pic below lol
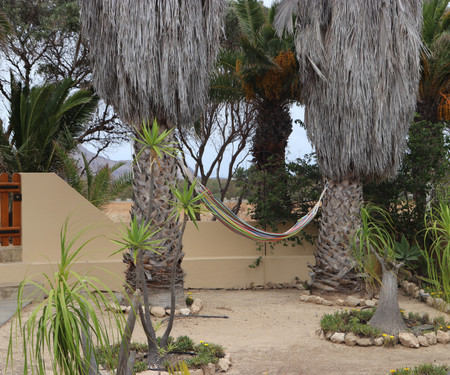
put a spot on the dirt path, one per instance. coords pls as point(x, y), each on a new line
point(273, 332)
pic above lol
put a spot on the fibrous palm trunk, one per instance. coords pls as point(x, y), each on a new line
point(334, 268)
point(274, 126)
point(157, 266)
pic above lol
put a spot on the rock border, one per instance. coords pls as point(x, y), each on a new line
point(406, 339)
point(350, 301)
point(414, 291)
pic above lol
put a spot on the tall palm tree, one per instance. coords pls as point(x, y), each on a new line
point(151, 59)
point(434, 93)
point(42, 120)
point(269, 75)
point(360, 71)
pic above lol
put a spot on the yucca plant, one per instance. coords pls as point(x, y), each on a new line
point(74, 315)
point(437, 245)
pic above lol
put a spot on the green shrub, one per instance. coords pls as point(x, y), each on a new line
point(350, 321)
point(184, 344)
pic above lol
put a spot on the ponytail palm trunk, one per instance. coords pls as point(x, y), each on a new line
point(360, 70)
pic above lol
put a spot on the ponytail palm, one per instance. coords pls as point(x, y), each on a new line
point(360, 70)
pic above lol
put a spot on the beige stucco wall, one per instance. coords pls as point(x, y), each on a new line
point(215, 257)
point(218, 258)
point(46, 203)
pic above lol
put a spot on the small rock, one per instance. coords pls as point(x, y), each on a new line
point(422, 340)
point(431, 338)
point(352, 301)
point(228, 358)
point(299, 287)
point(185, 311)
point(379, 341)
point(158, 312)
point(313, 299)
point(198, 302)
point(408, 340)
point(304, 298)
point(350, 339)
point(223, 365)
point(195, 309)
point(319, 300)
point(339, 302)
point(198, 371)
point(429, 301)
point(127, 310)
point(364, 342)
point(439, 303)
point(442, 337)
point(416, 294)
point(338, 337)
point(370, 302)
point(177, 312)
point(210, 369)
point(287, 285)
point(327, 303)
point(329, 334)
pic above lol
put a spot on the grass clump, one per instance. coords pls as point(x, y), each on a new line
point(425, 369)
point(350, 321)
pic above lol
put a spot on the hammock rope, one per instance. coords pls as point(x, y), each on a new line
point(239, 226)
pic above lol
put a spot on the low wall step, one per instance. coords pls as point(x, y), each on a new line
point(10, 254)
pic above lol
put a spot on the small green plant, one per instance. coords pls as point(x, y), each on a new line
point(425, 369)
point(184, 344)
point(406, 253)
point(389, 340)
point(189, 300)
point(437, 246)
point(350, 321)
point(73, 316)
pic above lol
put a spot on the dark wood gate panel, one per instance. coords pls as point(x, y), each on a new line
point(10, 208)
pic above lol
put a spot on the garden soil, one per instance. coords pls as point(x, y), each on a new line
point(272, 332)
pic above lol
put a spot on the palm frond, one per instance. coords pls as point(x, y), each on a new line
point(145, 64)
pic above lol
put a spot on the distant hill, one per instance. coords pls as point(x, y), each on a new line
point(101, 161)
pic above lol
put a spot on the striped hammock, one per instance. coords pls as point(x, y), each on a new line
point(239, 226)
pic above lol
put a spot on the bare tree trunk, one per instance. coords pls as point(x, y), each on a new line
point(334, 268)
point(388, 317)
point(123, 366)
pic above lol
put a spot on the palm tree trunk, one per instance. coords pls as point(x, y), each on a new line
point(157, 266)
point(334, 268)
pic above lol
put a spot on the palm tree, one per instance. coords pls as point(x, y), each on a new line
point(434, 93)
point(42, 120)
point(360, 69)
point(151, 60)
point(268, 71)
point(5, 27)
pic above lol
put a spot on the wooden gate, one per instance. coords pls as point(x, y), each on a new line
point(10, 207)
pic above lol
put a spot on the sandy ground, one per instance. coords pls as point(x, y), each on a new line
point(272, 332)
point(120, 211)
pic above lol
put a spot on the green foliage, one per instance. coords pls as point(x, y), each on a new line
point(425, 166)
point(350, 321)
point(150, 137)
point(184, 344)
point(424, 369)
point(99, 187)
point(41, 120)
point(138, 236)
point(406, 253)
point(373, 238)
point(75, 307)
point(437, 253)
point(187, 200)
